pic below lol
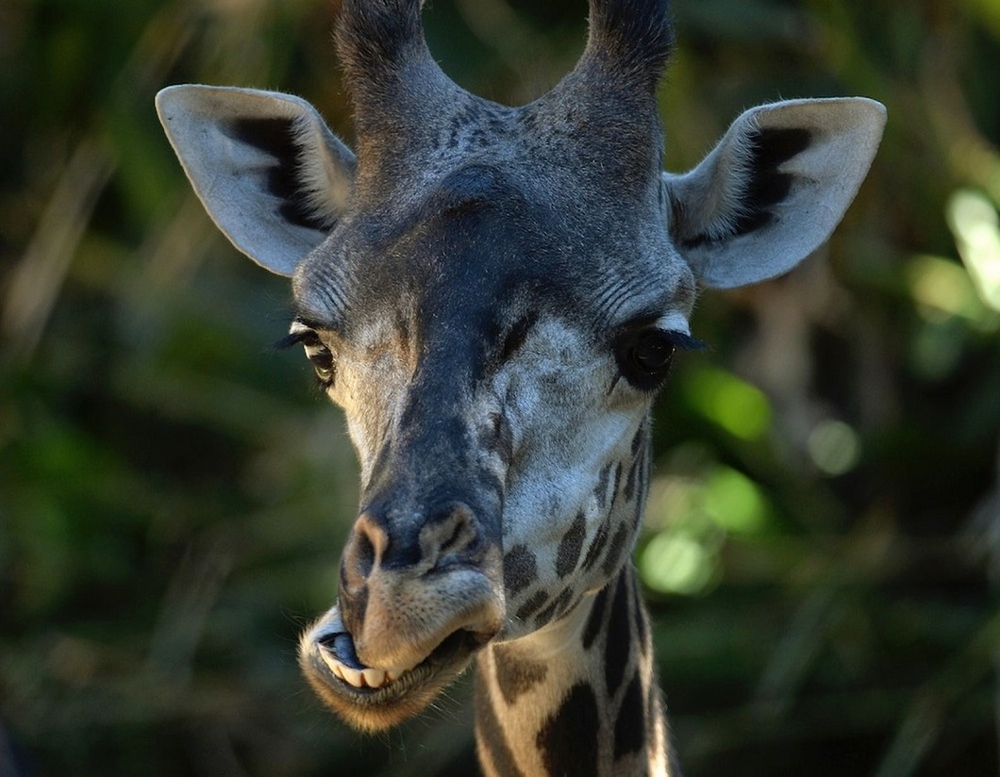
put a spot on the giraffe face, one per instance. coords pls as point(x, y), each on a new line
point(493, 294)
point(499, 416)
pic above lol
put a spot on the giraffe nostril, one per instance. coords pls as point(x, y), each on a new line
point(452, 542)
point(367, 544)
point(363, 556)
point(454, 537)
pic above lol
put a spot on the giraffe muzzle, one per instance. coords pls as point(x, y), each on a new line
point(330, 643)
point(373, 698)
point(417, 600)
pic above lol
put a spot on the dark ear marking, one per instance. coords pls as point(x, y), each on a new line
point(277, 137)
point(767, 186)
point(774, 146)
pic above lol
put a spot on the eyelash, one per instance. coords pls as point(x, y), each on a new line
point(685, 342)
point(316, 351)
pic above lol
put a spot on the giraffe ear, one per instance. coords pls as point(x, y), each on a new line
point(774, 188)
point(269, 172)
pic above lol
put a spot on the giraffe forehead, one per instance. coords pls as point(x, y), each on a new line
point(480, 237)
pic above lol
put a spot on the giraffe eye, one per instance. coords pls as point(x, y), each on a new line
point(644, 354)
point(644, 357)
point(316, 351)
point(322, 360)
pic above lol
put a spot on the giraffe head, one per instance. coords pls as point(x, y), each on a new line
point(494, 295)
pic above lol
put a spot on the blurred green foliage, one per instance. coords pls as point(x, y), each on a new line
point(823, 539)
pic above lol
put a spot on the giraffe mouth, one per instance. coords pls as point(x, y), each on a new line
point(374, 698)
point(337, 652)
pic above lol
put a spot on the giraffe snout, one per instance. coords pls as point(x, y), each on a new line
point(407, 584)
point(450, 536)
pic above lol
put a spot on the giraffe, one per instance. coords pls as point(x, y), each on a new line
point(494, 295)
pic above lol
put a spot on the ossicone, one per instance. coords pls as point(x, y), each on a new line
point(376, 37)
point(630, 39)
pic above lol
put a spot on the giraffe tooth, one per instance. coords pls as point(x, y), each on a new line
point(374, 678)
point(395, 672)
point(352, 676)
point(332, 663)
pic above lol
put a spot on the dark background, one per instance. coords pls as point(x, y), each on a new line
point(823, 535)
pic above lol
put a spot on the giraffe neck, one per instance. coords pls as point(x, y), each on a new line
point(577, 698)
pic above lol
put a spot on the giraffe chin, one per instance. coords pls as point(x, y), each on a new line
point(373, 699)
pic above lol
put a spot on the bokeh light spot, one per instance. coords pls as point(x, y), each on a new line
point(733, 404)
point(735, 502)
point(676, 563)
point(976, 226)
point(835, 447)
